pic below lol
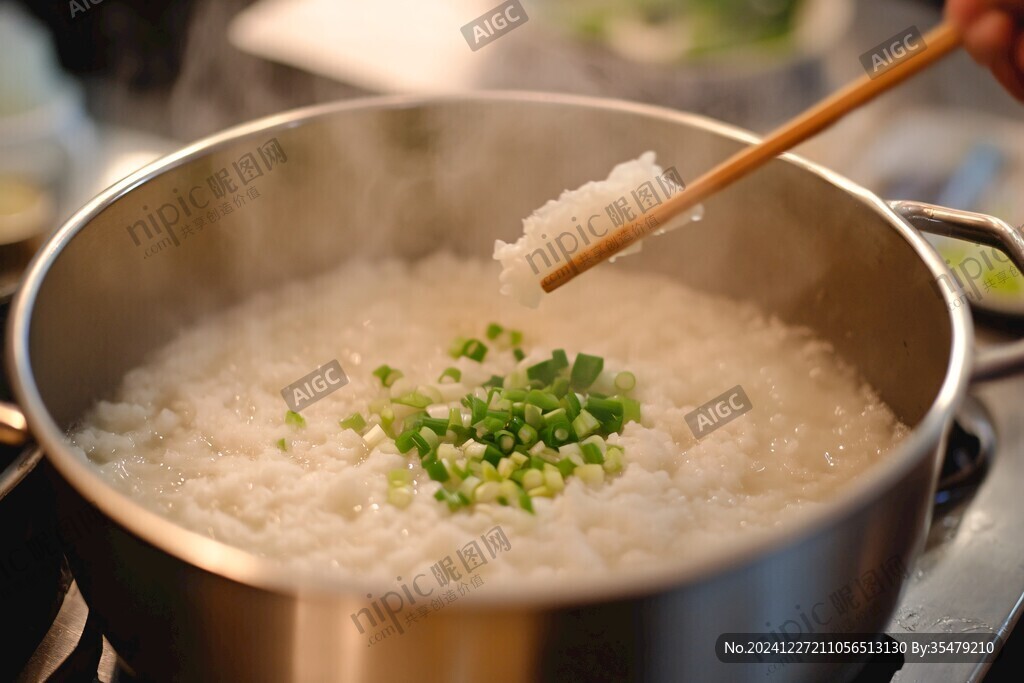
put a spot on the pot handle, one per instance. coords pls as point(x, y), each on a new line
point(14, 432)
point(997, 361)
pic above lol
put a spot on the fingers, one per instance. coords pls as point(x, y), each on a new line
point(1018, 51)
point(993, 37)
point(989, 38)
point(963, 12)
point(1010, 71)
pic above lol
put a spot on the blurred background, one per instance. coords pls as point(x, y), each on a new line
point(90, 90)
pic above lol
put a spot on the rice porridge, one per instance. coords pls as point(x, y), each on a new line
point(198, 433)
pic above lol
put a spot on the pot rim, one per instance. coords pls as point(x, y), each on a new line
point(262, 573)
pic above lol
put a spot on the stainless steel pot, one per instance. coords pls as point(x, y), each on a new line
point(361, 179)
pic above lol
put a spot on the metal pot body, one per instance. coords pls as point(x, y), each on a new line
point(202, 230)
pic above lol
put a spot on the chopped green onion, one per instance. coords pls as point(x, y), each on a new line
point(374, 437)
point(404, 442)
point(625, 381)
point(437, 425)
point(454, 499)
point(532, 479)
point(388, 375)
point(493, 395)
point(294, 419)
point(502, 409)
point(515, 423)
point(527, 435)
point(553, 478)
point(430, 392)
point(571, 403)
point(525, 502)
point(613, 460)
point(590, 474)
point(489, 425)
point(534, 416)
point(460, 434)
point(436, 470)
point(630, 409)
point(585, 424)
point(509, 490)
point(387, 418)
point(514, 394)
point(455, 350)
point(565, 466)
point(571, 449)
point(452, 373)
point(604, 409)
point(612, 425)
point(400, 496)
point(505, 468)
point(592, 454)
point(458, 471)
point(530, 429)
point(585, 370)
point(468, 487)
point(430, 437)
point(542, 399)
point(354, 421)
point(399, 477)
point(544, 372)
point(475, 449)
point(447, 451)
point(282, 444)
point(486, 492)
point(556, 417)
point(604, 384)
point(455, 419)
point(492, 455)
point(505, 440)
point(414, 420)
point(422, 445)
point(413, 399)
point(477, 407)
point(550, 455)
point(474, 349)
point(555, 436)
point(488, 472)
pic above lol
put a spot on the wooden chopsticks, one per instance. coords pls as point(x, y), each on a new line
point(939, 42)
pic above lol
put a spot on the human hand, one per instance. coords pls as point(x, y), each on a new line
point(994, 36)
